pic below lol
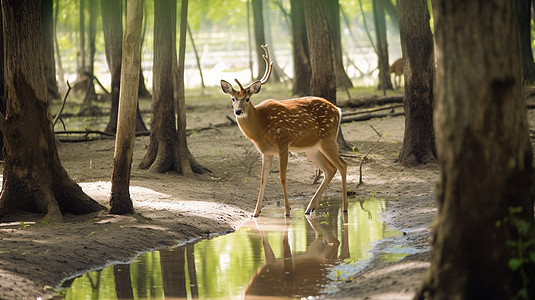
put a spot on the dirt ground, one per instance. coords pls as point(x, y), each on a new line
point(173, 209)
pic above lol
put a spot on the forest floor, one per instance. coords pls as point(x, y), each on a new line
point(171, 208)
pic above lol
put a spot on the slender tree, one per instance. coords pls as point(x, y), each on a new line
point(48, 48)
point(34, 179)
point(259, 35)
point(301, 60)
point(113, 34)
point(120, 202)
point(417, 46)
point(333, 10)
point(483, 236)
point(524, 21)
point(382, 44)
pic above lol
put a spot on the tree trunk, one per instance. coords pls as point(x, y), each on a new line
point(320, 45)
point(113, 34)
point(167, 149)
point(484, 230)
point(301, 61)
point(120, 202)
point(34, 179)
point(81, 67)
point(342, 80)
point(48, 48)
point(259, 36)
point(524, 21)
point(62, 84)
point(382, 44)
point(90, 90)
point(417, 45)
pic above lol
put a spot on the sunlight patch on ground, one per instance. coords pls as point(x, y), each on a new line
point(149, 199)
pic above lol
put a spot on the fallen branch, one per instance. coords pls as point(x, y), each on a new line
point(353, 113)
point(370, 116)
point(373, 100)
point(63, 104)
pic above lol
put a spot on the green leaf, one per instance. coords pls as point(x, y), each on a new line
point(532, 257)
point(514, 264)
point(515, 209)
point(511, 243)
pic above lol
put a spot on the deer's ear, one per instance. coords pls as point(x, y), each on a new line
point(227, 87)
point(254, 88)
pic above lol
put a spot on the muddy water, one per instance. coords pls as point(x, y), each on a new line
point(292, 257)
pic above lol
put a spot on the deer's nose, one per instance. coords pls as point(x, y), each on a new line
point(238, 112)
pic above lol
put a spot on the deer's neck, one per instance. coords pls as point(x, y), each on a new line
point(252, 125)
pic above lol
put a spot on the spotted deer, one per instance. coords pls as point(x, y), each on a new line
point(397, 69)
point(308, 124)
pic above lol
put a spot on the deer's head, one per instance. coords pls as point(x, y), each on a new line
point(241, 98)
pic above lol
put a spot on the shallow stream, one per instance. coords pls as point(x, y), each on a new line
point(295, 257)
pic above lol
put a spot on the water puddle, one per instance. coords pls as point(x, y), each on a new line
point(271, 256)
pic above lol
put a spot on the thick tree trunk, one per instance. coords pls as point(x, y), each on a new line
point(48, 48)
point(417, 45)
point(382, 44)
point(120, 202)
point(484, 231)
point(34, 179)
point(320, 45)
point(167, 150)
point(301, 60)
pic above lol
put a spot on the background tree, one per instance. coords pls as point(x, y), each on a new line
point(112, 16)
point(120, 202)
point(417, 46)
point(333, 10)
point(484, 230)
point(524, 21)
point(301, 60)
point(34, 179)
point(259, 35)
point(382, 44)
point(163, 153)
point(48, 48)
point(320, 45)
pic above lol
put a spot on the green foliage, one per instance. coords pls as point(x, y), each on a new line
point(23, 225)
point(522, 247)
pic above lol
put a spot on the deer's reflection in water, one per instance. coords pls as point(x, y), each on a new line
point(299, 274)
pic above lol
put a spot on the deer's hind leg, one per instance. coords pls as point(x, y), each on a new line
point(328, 170)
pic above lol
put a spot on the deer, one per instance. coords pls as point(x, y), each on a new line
point(397, 69)
point(309, 124)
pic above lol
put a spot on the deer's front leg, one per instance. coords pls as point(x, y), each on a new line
point(267, 161)
point(283, 165)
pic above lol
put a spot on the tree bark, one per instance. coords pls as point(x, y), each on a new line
point(48, 48)
point(168, 149)
point(120, 202)
point(34, 179)
point(301, 60)
point(417, 46)
point(320, 45)
point(484, 230)
point(382, 44)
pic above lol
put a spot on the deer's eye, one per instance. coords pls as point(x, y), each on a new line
point(246, 99)
point(233, 99)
